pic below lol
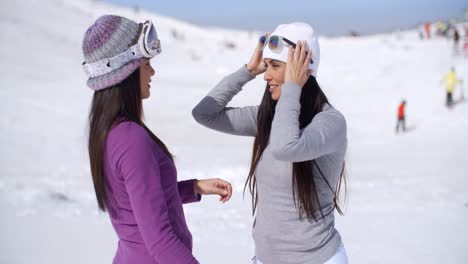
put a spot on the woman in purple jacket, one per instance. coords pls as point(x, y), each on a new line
point(133, 172)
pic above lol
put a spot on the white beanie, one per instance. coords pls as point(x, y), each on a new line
point(294, 32)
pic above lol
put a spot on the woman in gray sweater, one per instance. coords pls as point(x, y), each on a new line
point(298, 153)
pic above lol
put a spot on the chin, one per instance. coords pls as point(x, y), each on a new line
point(274, 97)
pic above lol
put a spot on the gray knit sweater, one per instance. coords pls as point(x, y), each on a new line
point(281, 237)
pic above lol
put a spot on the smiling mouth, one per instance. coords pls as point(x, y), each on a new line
point(272, 88)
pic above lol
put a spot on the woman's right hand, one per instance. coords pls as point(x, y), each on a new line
point(256, 65)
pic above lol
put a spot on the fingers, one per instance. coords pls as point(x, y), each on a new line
point(220, 190)
point(290, 55)
point(297, 68)
point(255, 65)
point(307, 60)
point(258, 53)
point(297, 50)
point(224, 190)
point(256, 56)
point(299, 54)
point(302, 52)
point(262, 68)
point(229, 189)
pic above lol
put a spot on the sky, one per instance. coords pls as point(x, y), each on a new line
point(332, 17)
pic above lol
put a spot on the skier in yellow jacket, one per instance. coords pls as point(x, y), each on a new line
point(451, 81)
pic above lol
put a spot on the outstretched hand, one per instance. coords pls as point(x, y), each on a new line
point(214, 186)
point(297, 68)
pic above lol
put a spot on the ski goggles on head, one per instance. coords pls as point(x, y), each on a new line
point(148, 46)
point(274, 42)
point(149, 43)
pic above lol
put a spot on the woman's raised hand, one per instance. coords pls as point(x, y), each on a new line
point(256, 65)
point(297, 68)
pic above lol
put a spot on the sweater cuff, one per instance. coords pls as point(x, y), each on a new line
point(290, 91)
point(187, 193)
point(243, 74)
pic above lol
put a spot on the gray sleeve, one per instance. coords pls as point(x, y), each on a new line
point(324, 135)
point(212, 112)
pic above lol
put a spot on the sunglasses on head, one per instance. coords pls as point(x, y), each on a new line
point(274, 43)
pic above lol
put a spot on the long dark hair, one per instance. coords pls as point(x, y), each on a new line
point(110, 106)
point(305, 191)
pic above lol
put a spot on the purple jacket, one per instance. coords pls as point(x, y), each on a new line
point(145, 200)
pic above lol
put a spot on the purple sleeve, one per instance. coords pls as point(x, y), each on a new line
point(186, 193)
point(141, 173)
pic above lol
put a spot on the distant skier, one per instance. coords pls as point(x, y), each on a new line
point(401, 116)
point(450, 80)
point(427, 30)
point(465, 42)
point(456, 40)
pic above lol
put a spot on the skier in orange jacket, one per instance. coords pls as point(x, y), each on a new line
point(401, 116)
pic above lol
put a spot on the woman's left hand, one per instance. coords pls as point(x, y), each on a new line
point(214, 186)
point(297, 68)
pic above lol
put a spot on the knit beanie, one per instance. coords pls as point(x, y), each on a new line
point(294, 32)
point(109, 36)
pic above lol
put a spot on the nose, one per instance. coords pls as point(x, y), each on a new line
point(152, 71)
point(267, 75)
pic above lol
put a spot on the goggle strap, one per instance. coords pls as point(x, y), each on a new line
point(294, 46)
point(108, 65)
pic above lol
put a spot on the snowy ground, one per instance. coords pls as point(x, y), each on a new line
point(408, 193)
